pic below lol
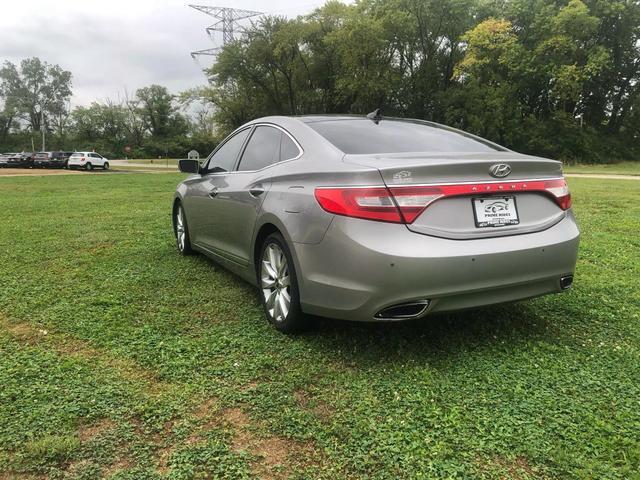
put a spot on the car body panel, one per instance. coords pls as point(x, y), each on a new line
point(365, 266)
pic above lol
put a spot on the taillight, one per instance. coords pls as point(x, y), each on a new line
point(560, 191)
point(403, 204)
point(412, 201)
point(370, 203)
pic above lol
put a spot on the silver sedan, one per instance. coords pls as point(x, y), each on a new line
point(376, 219)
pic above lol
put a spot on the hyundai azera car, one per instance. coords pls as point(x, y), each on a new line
point(375, 219)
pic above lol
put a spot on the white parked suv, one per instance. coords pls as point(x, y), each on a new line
point(88, 161)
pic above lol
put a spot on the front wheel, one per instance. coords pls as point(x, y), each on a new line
point(279, 286)
point(105, 166)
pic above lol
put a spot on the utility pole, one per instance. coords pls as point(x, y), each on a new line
point(227, 23)
point(42, 126)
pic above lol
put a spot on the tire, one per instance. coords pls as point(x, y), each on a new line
point(105, 166)
point(277, 281)
point(88, 167)
point(181, 231)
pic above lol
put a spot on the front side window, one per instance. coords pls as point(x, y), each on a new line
point(225, 157)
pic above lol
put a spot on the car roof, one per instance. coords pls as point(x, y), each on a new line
point(329, 118)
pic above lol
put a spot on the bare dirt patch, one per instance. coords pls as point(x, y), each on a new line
point(276, 455)
point(88, 432)
point(318, 408)
point(516, 469)
point(68, 346)
point(37, 172)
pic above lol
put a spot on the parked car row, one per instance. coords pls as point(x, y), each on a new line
point(71, 160)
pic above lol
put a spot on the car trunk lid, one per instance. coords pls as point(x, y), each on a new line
point(467, 200)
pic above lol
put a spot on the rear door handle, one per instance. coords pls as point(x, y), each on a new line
point(256, 191)
point(213, 192)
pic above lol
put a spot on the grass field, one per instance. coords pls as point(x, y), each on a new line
point(119, 358)
point(622, 168)
point(155, 161)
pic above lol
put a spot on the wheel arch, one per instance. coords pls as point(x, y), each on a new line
point(271, 224)
point(176, 201)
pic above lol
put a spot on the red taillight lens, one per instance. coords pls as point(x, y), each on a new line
point(560, 191)
point(370, 203)
point(404, 204)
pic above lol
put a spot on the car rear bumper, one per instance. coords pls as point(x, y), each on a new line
point(362, 267)
point(76, 164)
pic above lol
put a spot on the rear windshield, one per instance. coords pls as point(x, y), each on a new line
point(363, 136)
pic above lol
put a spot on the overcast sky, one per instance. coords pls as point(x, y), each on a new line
point(110, 45)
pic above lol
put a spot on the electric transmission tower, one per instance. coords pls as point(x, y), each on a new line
point(227, 23)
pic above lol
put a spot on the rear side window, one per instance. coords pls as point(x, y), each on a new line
point(363, 136)
point(288, 149)
point(262, 150)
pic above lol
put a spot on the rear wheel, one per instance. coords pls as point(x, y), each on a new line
point(279, 286)
point(89, 167)
point(183, 242)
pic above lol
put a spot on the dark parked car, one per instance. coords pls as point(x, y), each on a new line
point(24, 159)
point(51, 159)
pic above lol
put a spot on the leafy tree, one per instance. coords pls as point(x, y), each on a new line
point(158, 112)
point(36, 90)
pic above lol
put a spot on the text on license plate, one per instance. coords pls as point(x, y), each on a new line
point(495, 211)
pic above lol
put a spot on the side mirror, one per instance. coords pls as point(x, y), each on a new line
point(189, 166)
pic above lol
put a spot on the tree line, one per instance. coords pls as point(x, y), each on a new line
point(34, 98)
point(558, 78)
point(548, 77)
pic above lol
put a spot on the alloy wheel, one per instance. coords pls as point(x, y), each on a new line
point(275, 282)
point(181, 233)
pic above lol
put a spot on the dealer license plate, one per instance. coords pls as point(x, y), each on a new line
point(495, 211)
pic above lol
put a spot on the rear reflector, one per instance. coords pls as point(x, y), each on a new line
point(403, 204)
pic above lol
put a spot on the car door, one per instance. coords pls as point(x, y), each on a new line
point(240, 198)
point(205, 217)
point(99, 159)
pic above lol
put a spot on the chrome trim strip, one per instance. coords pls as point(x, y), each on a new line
point(409, 185)
point(244, 146)
point(425, 304)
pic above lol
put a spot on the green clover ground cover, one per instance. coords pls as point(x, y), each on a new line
point(119, 358)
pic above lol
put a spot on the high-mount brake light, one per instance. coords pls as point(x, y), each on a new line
point(403, 204)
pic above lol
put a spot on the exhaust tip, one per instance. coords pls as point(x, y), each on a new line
point(403, 311)
point(566, 282)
